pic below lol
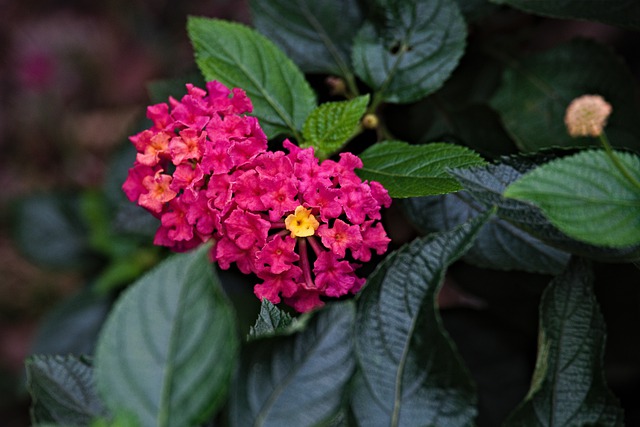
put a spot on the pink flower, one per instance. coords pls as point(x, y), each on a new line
point(335, 278)
point(283, 216)
point(340, 237)
point(278, 255)
point(187, 146)
point(246, 229)
point(158, 192)
point(154, 147)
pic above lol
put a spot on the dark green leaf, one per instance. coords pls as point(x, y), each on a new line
point(49, 230)
point(169, 347)
point(487, 184)
point(568, 386)
point(318, 35)
point(332, 124)
point(271, 321)
point(238, 56)
point(296, 380)
point(475, 10)
point(410, 371)
point(412, 51)
point(416, 170)
point(458, 112)
point(499, 245)
point(623, 13)
point(72, 327)
point(586, 197)
point(62, 390)
point(537, 90)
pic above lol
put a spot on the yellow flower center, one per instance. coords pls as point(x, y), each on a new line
point(301, 223)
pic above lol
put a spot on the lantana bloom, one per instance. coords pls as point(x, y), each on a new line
point(300, 225)
point(587, 115)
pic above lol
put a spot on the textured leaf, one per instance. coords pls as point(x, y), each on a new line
point(486, 185)
point(72, 326)
point(412, 51)
point(458, 112)
point(477, 127)
point(415, 170)
point(120, 420)
point(169, 346)
point(238, 56)
point(410, 371)
point(332, 124)
point(623, 13)
point(568, 386)
point(49, 230)
point(313, 38)
point(296, 380)
point(537, 90)
point(499, 245)
point(474, 10)
point(586, 197)
point(62, 390)
point(271, 320)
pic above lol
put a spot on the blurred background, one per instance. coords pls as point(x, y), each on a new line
point(75, 79)
point(73, 83)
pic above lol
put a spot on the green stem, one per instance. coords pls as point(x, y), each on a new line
point(352, 87)
point(616, 161)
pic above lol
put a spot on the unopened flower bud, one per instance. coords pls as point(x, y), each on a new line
point(370, 121)
point(587, 115)
point(337, 86)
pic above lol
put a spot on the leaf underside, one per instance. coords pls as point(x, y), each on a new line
point(568, 386)
point(410, 372)
point(296, 380)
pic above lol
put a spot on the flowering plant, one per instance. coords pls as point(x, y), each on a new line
point(300, 295)
point(257, 205)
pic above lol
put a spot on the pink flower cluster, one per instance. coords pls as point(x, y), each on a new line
point(203, 168)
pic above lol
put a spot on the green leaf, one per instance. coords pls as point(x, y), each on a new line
point(499, 245)
point(586, 197)
point(412, 51)
point(62, 390)
point(568, 386)
point(122, 419)
point(72, 326)
point(474, 10)
point(169, 347)
point(537, 90)
point(623, 13)
point(49, 230)
point(415, 170)
point(486, 185)
point(313, 37)
point(296, 380)
point(238, 56)
point(332, 124)
point(410, 371)
point(271, 321)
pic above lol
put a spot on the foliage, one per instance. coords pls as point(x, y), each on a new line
point(467, 135)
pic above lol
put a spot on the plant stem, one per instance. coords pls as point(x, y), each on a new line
point(616, 161)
